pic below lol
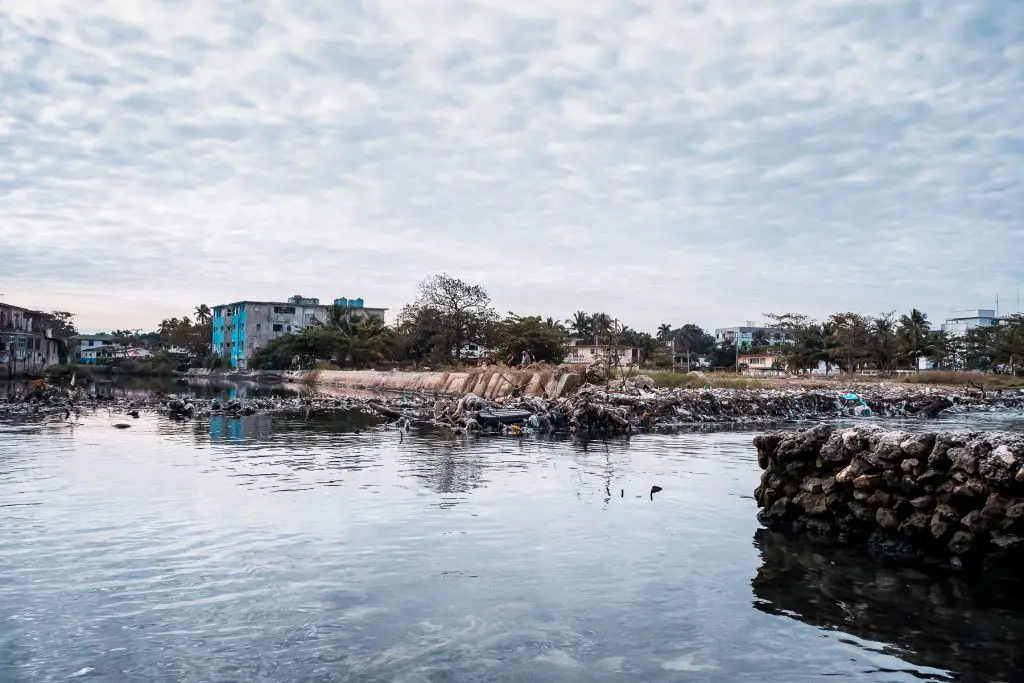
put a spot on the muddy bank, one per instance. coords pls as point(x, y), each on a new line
point(954, 498)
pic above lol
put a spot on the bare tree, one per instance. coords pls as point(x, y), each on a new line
point(462, 311)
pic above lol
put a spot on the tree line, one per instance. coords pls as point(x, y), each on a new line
point(852, 342)
point(451, 321)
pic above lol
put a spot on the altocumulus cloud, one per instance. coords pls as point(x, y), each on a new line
point(664, 161)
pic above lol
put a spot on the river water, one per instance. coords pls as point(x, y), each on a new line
point(272, 548)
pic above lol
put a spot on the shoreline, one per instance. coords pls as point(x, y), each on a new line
point(540, 400)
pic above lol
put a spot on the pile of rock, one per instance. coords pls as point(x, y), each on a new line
point(959, 497)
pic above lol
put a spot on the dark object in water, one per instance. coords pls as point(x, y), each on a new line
point(384, 410)
point(654, 489)
point(134, 413)
point(932, 409)
point(121, 425)
point(493, 417)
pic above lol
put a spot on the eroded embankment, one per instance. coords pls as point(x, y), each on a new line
point(955, 497)
point(545, 381)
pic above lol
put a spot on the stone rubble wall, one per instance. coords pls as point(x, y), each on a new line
point(956, 497)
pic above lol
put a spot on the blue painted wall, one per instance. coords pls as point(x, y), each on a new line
point(224, 317)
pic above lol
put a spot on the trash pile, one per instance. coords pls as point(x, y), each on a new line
point(41, 399)
point(634, 405)
point(599, 407)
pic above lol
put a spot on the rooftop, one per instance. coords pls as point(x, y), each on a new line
point(101, 336)
point(971, 313)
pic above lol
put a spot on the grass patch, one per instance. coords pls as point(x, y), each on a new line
point(61, 374)
point(957, 378)
point(714, 380)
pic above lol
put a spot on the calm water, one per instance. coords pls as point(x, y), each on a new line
point(273, 549)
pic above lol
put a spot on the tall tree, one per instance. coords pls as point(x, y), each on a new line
point(545, 339)
point(61, 323)
point(580, 326)
point(852, 338)
point(664, 332)
point(461, 310)
point(885, 344)
point(203, 314)
point(915, 336)
point(602, 327)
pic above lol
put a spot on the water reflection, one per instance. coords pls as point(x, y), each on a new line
point(281, 547)
point(961, 630)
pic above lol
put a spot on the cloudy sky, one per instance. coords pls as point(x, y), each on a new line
point(664, 160)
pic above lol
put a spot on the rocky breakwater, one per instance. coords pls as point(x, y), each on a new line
point(958, 498)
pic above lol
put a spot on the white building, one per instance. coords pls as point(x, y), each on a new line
point(744, 334)
point(86, 348)
point(960, 322)
point(585, 354)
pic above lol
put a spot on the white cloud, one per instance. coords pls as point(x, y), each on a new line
point(663, 161)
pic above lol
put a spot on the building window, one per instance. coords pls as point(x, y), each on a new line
point(278, 328)
point(258, 327)
point(287, 310)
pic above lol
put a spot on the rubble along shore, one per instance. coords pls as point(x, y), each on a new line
point(599, 406)
point(954, 498)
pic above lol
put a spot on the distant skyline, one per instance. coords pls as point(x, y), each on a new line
point(663, 162)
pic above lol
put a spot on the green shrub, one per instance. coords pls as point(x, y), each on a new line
point(61, 374)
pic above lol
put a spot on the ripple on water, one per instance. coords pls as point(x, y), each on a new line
point(277, 548)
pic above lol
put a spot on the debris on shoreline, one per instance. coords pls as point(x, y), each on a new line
point(635, 406)
point(608, 408)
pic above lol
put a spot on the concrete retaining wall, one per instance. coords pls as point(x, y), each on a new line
point(546, 382)
point(955, 497)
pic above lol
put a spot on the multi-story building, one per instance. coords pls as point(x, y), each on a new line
point(25, 345)
point(960, 322)
point(745, 334)
point(86, 348)
point(241, 328)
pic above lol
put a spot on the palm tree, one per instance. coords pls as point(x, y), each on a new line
point(602, 325)
point(365, 339)
point(664, 332)
point(884, 342)
point(759, 342)
point(580, 325)
point(203, 314)
point(915, 334)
